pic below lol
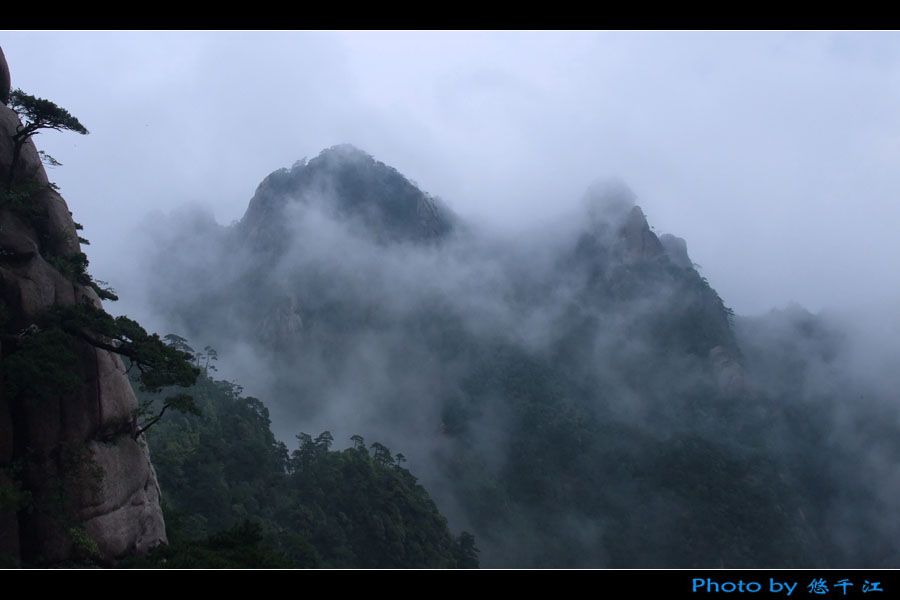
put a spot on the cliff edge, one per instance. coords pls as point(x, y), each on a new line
point(74, 482)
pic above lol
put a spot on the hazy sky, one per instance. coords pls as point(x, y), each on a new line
point(774, 154)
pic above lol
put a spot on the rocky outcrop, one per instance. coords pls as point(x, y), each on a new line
point(619, 224)
point(676, 248)
point(73, 479)
point(4, 79)
point(638, 243)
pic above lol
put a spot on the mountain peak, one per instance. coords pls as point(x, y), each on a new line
point(351, 186)
point(345, 152)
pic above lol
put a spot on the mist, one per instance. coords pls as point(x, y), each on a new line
point(542, 308)
point(448, 347)
point(770, 152)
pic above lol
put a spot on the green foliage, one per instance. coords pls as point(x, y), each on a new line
point(48, 160)
point(160, 365)
point(41, 361)
point(740, 507)
point(41, 366)
point(365, 511)
point(465, 552)
point(73, 266)
point(209, 354)
point(321, 508)
point(239, 547)
point(180, 402)
point(18, 199)
point(85, 548)
point(576, 484)
point(104, 292)
point(178, 342)
point(219, 467)
point(38, 114)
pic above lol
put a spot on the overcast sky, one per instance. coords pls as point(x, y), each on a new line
point(774, 154)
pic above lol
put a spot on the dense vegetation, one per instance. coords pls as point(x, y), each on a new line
point(692, 481)
point(234, 496)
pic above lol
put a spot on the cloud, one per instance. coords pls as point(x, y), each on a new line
point(771, 153)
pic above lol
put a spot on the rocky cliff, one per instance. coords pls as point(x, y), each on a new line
point(4, 78)
point(74, 483)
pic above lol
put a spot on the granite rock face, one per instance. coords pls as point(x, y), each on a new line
point(72, 475)
point(638, 242)
point(617, 222)
point(676, 248)
point(4, 79)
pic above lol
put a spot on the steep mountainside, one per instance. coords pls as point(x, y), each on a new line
point(73, 483)
point(354, 508)
point(576, 397)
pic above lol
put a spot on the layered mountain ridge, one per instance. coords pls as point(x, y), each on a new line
point(541, 389)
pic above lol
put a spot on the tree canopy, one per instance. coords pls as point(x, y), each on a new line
point(38, 114)
point(41, 362)
point(318, 507)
